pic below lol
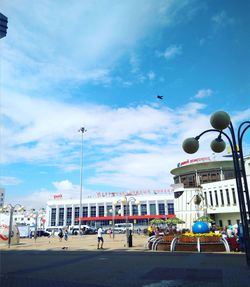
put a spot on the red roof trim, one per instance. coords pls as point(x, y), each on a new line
point(124, 217)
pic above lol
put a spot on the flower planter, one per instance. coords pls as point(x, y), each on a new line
point(209, 239)
point(187, 239)
point(168, 238)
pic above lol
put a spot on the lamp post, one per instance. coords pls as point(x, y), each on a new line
point(125, 201)
point(12, 209)
point(113, 211)
point(3, 25)
point(82, 130)
point(220, 121)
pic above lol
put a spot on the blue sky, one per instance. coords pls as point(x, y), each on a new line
point(100, 64)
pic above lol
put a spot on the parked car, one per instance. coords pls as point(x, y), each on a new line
point(40, 233)
point(52, 230)
point(85, 230)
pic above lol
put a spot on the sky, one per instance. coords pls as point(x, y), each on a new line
point(100, 65)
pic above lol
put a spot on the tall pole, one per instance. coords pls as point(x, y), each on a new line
point(10, 225)
point(127, 221)
point(82, 130)
point(113, 222)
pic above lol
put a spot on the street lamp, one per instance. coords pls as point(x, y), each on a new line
point(221, 120)
point(82, 130)
point(125, 201)
point(113, 211)
point(11, 209)
point(3, 25)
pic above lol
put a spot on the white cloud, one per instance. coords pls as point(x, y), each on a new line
point(9, 180)
point(151, 76)
point(204, 93)
point(171, 52)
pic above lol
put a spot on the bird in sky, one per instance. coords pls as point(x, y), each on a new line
point(159, 97)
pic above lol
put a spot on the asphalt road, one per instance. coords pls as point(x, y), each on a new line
point(25, 268)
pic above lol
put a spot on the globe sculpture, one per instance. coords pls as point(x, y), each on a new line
point(200, 227)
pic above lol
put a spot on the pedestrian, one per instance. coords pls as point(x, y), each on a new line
point(99, 238)
point(110, 232)
point(66, 235)
point(60, 234)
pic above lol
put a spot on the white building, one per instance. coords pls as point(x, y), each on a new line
point(2, 196)
point(215, 182)
point(99, 210)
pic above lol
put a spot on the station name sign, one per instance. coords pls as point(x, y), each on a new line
point(57, 196)
point(195, 160)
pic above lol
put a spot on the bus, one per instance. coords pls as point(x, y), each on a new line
point(121, 227)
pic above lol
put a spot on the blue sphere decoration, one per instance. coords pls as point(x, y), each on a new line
point(200, 227)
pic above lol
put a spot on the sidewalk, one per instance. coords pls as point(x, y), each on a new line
point(85, 242)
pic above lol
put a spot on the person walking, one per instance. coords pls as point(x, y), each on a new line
point(60, 234)
point(99, 238)
point(66, 234)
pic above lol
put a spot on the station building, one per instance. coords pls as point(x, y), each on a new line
point(213, 180)
point(102, 209)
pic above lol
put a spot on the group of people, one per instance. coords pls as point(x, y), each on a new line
point(63, 233)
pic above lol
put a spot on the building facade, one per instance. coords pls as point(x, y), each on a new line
point(2, 196)
point(103, 209)
point(214, 181)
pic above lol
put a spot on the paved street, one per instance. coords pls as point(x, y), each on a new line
point(34, 265)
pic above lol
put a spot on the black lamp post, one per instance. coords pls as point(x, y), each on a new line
point(3, 25)
point(221, 120)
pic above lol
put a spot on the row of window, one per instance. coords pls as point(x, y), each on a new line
point(152, 210)
point(204, 177)
point(214, 197)
point(229, 222)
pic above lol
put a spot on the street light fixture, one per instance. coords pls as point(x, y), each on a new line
point(82, 130)
point(221, 120)
point(3, 25)
point(12, 209)
point(125, 201)
point(113, 211)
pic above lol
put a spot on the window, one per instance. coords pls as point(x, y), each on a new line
point(161, 207)
point(228, 198)
point(229, 222)
point(216, 198)
point(234, 196)
point(76, 216)
point(205, 196)
point(101, 210)
point(143, 209)
point(211, 198)
point(61, 215)
point(117, 209)
point(221, 197)
point(93, 211)
point(170, 208)
point(53, 217)
point(69, 215)
point(238, 222)
point(84, 211)
point(134, 209)
point(109, 207)
point(126, 209)
point(220, 223)
point(152, 209)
